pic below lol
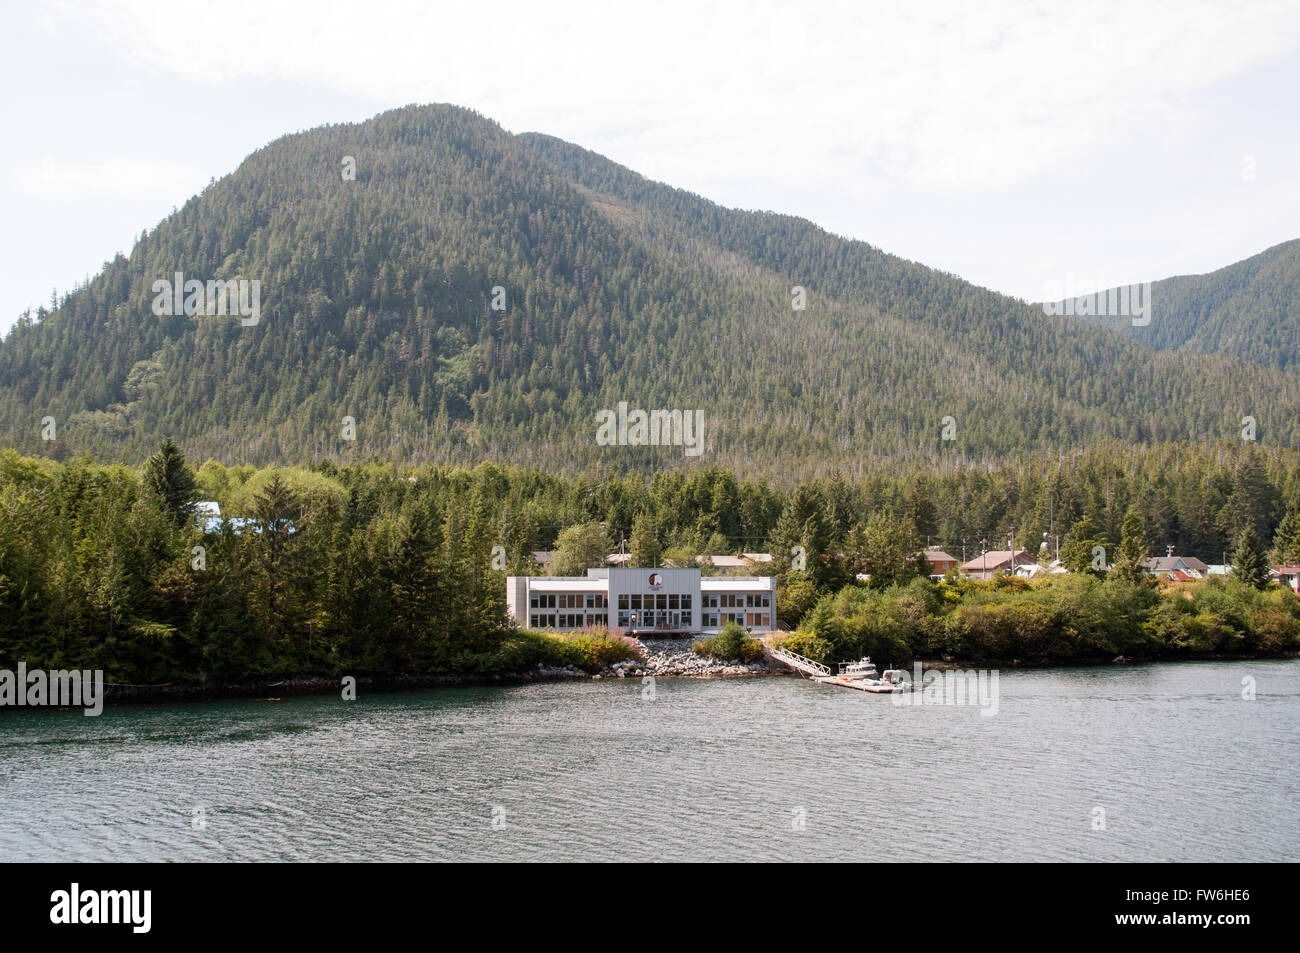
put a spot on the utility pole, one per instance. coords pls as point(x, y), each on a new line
point(1051, 522)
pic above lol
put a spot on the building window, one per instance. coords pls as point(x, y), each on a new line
point(673, 602)
point(622, 601)
point(686, 602)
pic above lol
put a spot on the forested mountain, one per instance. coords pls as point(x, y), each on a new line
point(1249, 310)
point(377, 304)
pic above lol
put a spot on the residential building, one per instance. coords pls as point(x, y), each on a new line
point(207, 515)
point(940, 562)
point(1036, 570)
point(1288, 576)
point(1187, 565)
point(997, 560)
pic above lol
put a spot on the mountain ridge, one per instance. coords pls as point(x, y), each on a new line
point(379, 300)
point(1249, 309)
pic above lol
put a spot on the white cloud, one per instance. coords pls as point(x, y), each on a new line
point(109, 177)
point(1010, 143)
point(947, 95)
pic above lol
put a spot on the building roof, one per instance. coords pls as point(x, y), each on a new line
point(1034, 570)
point(566, 584)
point(618, 559)
point(1170, 563)
point(1284, 570)
point(725, 562)
point(735, 583)
point(543, 556)
point(743, 561)
point(995, 559)
point(207, 508)
point(237, 524)
point(936, 555)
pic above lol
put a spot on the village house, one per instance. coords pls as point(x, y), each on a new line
point(997, 560)
point(1288, 576)
point(1187, 567)
point(940, 562)
point(1035, 570)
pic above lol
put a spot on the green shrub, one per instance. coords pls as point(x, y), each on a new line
point(810, 646)
point(1019, 629)
point(731, 642)
point(520, 651)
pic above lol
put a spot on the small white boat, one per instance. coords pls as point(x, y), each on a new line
point(862, 668)
point(862, 676)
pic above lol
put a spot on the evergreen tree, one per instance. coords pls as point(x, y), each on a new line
point(169, 476)
point(1249, 562)
point(647, 551)
point(1286, 541)
point(1079, 544)
point(891, 551)
point(1132, 554)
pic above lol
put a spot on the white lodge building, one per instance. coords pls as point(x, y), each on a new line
point(643, 601)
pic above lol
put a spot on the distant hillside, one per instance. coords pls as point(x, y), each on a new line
point(377, 304)
point(1250, 310)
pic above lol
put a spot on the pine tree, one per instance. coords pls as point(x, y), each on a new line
point(1286, 541)
point(1131, 556)
point(1249, 562)
point(890, 548)
point(168, 476)
point(647, 549)
point(1077, 547)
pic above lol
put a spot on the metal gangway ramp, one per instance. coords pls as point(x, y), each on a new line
point(799, 663)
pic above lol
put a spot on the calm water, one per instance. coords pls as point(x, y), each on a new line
point(764, 769)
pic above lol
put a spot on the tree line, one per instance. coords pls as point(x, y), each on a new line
point(375, 568)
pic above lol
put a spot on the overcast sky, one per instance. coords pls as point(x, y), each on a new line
point(1014, 144)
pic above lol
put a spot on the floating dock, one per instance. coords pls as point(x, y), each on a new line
point(822, 674)
point(859, 684)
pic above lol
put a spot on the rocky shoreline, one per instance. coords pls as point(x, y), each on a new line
point(674, 658)
point(661, 658)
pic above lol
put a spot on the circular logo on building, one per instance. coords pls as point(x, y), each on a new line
point(656, 580)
